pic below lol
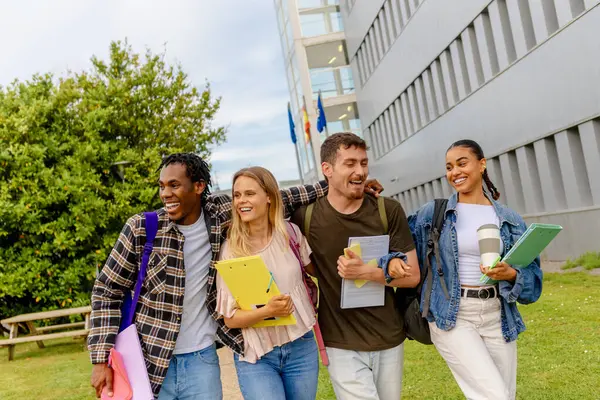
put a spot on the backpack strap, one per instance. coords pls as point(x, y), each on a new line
point(437, 223)
point(311, 290)
point(382, 213)
point(129, 303)
point(307, 217)
point(292, 234)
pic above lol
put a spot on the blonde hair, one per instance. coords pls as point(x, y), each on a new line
point(239, 233)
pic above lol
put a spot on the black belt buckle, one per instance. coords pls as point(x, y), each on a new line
point(482, 293)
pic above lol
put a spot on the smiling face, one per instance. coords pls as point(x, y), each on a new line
point(180, 195)
point(349, 172)
point(250, 200)
point(463, 170)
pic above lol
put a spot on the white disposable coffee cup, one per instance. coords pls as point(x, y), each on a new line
point(489, 239)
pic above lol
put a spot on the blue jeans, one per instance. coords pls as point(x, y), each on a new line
point(289, 372)
point(193, 376)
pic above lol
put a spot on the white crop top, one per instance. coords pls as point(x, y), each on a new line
point(469, 217)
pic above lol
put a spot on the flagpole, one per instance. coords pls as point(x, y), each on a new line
point(310, 141)
point(294, 142)
point(298, 163)
point(314, 160)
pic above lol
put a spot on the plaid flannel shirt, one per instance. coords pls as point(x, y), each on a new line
point(160, 305)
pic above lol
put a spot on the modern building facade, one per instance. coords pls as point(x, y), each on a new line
point(316, 59)
point(521, 77)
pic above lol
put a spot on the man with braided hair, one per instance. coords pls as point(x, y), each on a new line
point(175, 319)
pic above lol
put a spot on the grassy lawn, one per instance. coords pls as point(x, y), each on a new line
point(559, 355)
point(588, 261)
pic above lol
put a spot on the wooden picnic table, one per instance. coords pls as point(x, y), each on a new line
point(38, 334)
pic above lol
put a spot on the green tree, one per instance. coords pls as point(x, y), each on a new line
point(64, 189)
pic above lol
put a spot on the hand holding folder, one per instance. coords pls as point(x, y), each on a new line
point(122, 389)
point(361, 293)
point(355, 248)
point(535, 239)
point(252, 285)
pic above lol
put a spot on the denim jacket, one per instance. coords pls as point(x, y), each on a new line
point(526, 289)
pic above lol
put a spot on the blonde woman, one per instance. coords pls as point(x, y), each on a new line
point(278, 362)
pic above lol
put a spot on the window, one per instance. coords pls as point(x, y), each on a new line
point(324, 21)
point(331, 81)
point(316, 3)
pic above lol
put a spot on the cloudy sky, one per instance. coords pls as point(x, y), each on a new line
point(234, 44)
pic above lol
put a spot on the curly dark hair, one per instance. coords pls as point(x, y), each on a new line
point(196, 169)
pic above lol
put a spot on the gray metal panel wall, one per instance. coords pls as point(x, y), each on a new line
point(518, 76)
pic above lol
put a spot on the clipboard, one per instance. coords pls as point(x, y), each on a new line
point(252, 285)
point(531, 243)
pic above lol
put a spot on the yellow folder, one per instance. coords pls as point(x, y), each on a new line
point(251, 284)
point(355, 248)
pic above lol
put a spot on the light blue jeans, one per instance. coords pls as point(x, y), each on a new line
point(289, 372)
point(193, 376)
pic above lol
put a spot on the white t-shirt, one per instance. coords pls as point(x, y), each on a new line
point(198, 328)
point(469, 217)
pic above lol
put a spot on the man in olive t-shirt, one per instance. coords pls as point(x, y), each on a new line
point(364, 345)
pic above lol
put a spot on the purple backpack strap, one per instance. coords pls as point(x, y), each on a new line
point(129, 303)
point(294, 245)
point(311, 291)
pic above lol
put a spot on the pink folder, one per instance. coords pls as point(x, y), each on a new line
point(121, 389)
point(128, 345)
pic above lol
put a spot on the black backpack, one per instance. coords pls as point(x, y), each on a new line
point(408, 300)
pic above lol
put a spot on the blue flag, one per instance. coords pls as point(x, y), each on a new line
point(292, 126)
point(321, 120)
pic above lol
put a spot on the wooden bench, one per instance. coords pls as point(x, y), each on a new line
point(59, 335)
point(38, 334)
point(49, 328)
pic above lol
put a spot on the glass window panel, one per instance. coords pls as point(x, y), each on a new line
point(316, 3)
point(313, 24)
point(335, 127)
point(325, 21)
point(309, 4)
point(331, 81)
point(337, 24)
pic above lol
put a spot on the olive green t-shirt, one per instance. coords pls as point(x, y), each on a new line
point(358, 329)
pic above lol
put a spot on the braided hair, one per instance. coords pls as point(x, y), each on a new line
point(196, 169)
point(478, 151)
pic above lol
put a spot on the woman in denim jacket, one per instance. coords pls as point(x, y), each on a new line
point(475, 326)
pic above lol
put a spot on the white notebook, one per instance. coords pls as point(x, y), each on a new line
point(371, 294)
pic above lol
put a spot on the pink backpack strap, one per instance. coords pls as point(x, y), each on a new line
point(311, 291)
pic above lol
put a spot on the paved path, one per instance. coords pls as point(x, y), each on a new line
point(231, 390)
